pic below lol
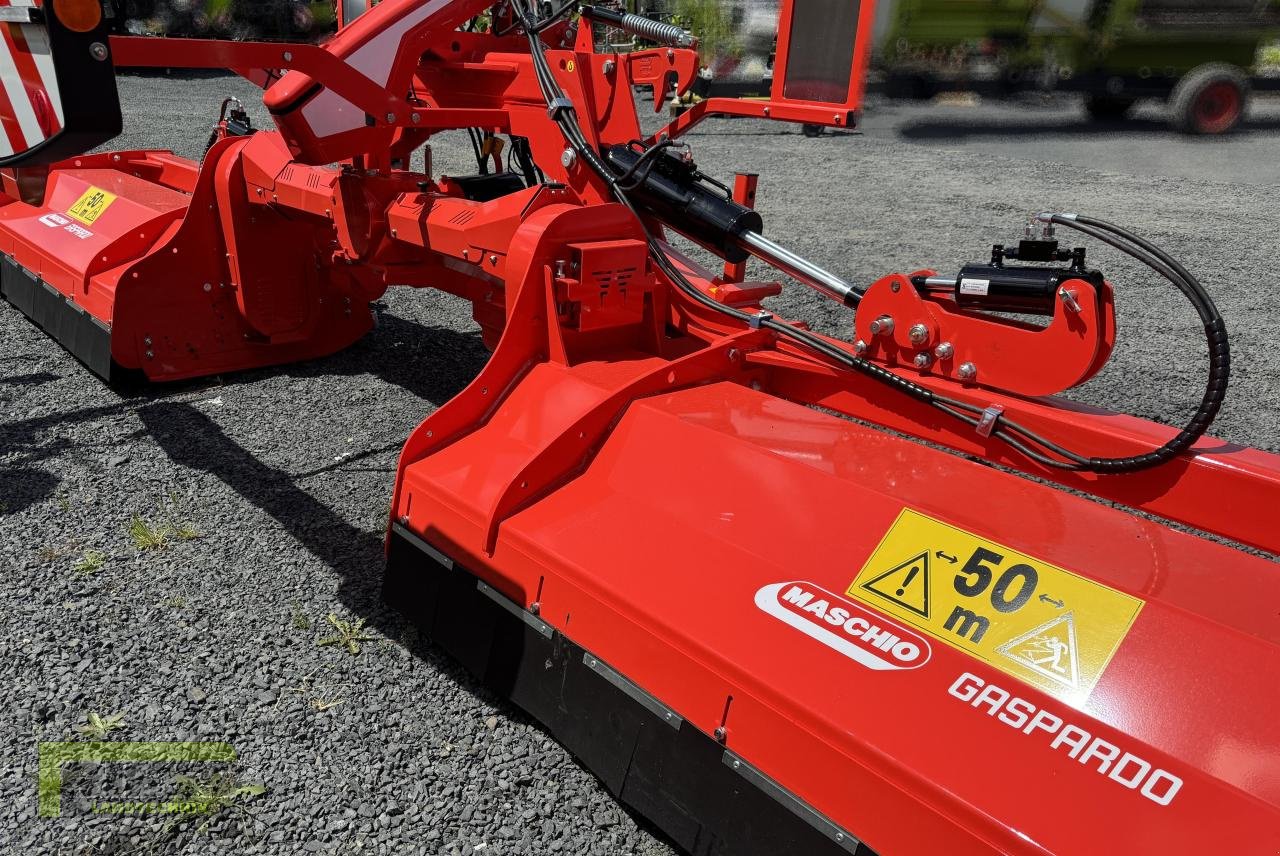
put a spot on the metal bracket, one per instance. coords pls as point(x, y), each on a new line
point(990, 418)
point(644, 699)
point(759, 318)
point(792, 803)
point(512, 607)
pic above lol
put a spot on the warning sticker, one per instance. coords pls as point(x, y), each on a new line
point(91, 205)
point(1047, 626)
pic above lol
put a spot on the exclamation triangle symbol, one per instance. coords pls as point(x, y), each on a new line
point(906, 584)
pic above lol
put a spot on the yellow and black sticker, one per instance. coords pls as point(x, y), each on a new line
point(89, 207)
point(1047, 626)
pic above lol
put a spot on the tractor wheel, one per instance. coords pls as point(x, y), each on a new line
point(1108, 108)
point(1211, 99)
point(813, 130)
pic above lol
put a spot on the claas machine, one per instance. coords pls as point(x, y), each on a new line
point(1199, 56)
point(783, 593)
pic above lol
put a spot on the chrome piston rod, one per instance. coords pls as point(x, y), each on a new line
point(801, 269)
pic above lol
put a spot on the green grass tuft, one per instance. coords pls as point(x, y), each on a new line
point(349, 635)
point(91, 562)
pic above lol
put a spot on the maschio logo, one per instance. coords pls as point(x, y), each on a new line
point(860, 635)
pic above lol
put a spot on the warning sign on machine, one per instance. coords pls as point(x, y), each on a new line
point(89, 207)
point(1047, 626)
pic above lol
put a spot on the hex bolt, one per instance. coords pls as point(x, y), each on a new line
point(967, 371)
point(610, 66)
point(944, 351)
point(734, 355)
point(493, 259)
point(882, 326)
point(923, 361)
point(151, 355)
point(288, 56)
point(860, 347)
point(720, 734)
point(391, 117)
point(208, 286)
point(99, 51)
point(568, 158)
point(147, 341)
point(535, 607)
point(404, 520)
point(919, 334)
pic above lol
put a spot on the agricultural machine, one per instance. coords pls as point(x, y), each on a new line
point(783, 593)
point(1200, 56)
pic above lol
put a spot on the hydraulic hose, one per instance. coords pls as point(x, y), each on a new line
point(1215, 334)
point(1026, 442)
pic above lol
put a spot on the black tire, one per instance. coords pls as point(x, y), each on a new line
point(1108, 108)
point(813, 130)
point(1211, 99)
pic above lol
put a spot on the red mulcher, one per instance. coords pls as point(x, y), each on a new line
point(705, 546)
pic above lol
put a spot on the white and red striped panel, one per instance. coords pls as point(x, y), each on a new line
point(30, 106)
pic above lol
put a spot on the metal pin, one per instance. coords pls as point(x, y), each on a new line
point(882, 326)
point(1069, 300)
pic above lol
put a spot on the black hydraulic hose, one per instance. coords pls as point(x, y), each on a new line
point(1215, 334)
point(1016, 436)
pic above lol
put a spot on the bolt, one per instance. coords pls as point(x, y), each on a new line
point(734, 355)
point(288, 56)
point(919, 334)
point(99, 51)
point(151, 355)
point(882, 326)
point(737, 765)
point(895, 287)
point(860, 347)
point(839, 836)
point(466, 254)
point(404, 520)
point(568, 158)
point(766, 111)
point(493, 259)
point(391, 117)
point(560, 268)
point(116, 158)
point(720, 734)
point(610, 66)
point(535, 607)
point(945, 351)
point(415, 118)
point(836, 118)
point(967, 371)
point(671, 54)
point(147, 341)
point(923, 361)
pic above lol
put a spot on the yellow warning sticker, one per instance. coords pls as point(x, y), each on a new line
point(1042, 624)
point(91, 205)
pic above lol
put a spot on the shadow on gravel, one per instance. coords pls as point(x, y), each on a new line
point(22, 488)
point(961, 129)
point(193, 440)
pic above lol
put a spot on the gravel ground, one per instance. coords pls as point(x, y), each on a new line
point(270, 490)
